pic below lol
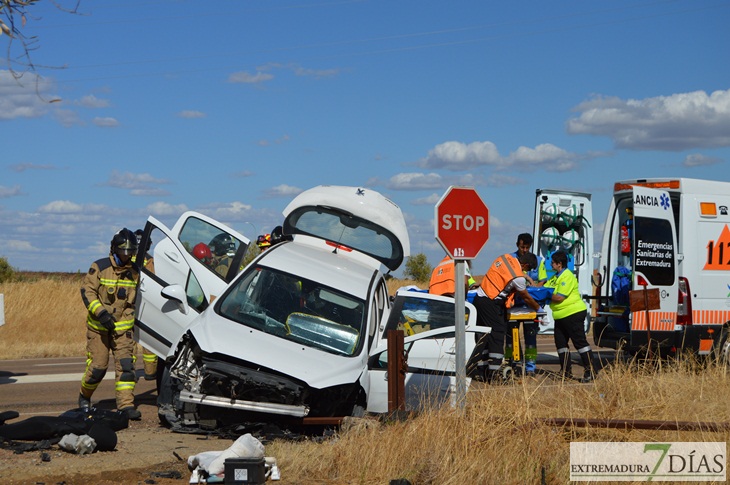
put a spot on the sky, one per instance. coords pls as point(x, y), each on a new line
point(231, 108)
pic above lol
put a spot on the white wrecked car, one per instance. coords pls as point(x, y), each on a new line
point(300, 332)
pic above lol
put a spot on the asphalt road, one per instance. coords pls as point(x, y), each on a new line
point(49, 387)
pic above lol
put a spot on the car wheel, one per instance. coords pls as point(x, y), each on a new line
point(166, 396)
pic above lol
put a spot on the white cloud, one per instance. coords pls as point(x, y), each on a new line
point(243, 174)
point(91, 101)
point(6, 192)
point(413, 181)
point(105, 122)
point(164, 209)
point(456, 156)
point(26, 97)
point(191, 114)
point(669, 123)
point(61, 207)
point(282, 191)
point(138, 184)
point(545, 156)
point(246, 78)
point(698, 160)
point(278, 141)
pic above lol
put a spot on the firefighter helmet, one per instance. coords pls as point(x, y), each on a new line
point(223, 244)
point(124, 243)
point(263, 241)
point(202, 252)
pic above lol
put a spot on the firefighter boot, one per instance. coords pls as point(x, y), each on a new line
point(132, 414)
point(84, 403)
point(587, 361)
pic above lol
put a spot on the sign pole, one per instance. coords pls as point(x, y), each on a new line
point(460, 333)
point(462, 229)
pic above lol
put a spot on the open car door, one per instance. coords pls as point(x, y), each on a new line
point(175, 286)
point(430, 345)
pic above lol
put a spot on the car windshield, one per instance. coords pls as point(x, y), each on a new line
point(296, 309)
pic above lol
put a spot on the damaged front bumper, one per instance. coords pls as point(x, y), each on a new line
point(241, 405)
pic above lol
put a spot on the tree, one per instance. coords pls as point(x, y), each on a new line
point(417, 268)
point(7, 273)
point(13, 17)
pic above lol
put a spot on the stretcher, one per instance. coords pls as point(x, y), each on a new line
point(516, 359)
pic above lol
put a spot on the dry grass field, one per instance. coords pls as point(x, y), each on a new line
point(498, 436)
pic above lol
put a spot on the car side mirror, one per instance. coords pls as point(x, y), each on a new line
point(176, 293)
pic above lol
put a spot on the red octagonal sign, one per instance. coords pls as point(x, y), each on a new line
point(462, 222)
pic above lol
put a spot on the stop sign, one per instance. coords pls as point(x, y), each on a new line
point(462, 222)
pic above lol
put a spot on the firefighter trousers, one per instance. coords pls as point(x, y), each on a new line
point(98, 347)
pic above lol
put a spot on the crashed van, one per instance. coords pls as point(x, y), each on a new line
point(299, 333)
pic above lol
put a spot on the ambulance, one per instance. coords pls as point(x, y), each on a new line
point(665, 267)
point(564, 220)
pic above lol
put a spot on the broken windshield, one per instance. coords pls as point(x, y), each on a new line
point(296, 309)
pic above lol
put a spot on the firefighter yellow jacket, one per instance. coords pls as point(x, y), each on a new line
point(112, 288)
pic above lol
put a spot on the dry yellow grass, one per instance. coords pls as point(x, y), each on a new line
point(43, 318)
point(495, 438)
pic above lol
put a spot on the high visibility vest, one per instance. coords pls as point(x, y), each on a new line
point(442, 278)
point(503, 270)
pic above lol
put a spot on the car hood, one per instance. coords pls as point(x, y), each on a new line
point(217, 335)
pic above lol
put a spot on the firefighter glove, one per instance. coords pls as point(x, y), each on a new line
point(107, 320)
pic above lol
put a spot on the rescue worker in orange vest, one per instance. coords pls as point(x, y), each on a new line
point(504, 279)
point(108, 292)
point(443, 276)
point(149, 358)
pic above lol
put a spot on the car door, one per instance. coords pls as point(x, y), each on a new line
point(175, 286)
point(428, 324)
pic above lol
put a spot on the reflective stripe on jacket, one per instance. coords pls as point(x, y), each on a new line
point(112, 288)
point(503, 270)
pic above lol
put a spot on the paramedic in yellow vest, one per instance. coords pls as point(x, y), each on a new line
point(149, 358)
point(569, 312)
point(443, 275)
point(108, 292)
point(503, 280)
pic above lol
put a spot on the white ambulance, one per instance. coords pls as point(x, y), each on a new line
point(564, 220)
point(671, 235)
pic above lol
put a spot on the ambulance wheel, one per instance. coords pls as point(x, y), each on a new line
point(723, 349)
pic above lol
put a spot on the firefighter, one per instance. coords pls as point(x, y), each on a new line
point(504, 279)
point(149, 358)
point(569, 312)
point(223, 248)
point(202, 253)
point(263, 242)
point(442, 278)
point(108, 292)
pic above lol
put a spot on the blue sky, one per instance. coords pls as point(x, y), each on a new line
point(231, 108)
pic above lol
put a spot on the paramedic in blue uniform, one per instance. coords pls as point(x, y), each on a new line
point(569, 311)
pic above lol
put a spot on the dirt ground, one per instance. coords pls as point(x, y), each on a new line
point(146, 453)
